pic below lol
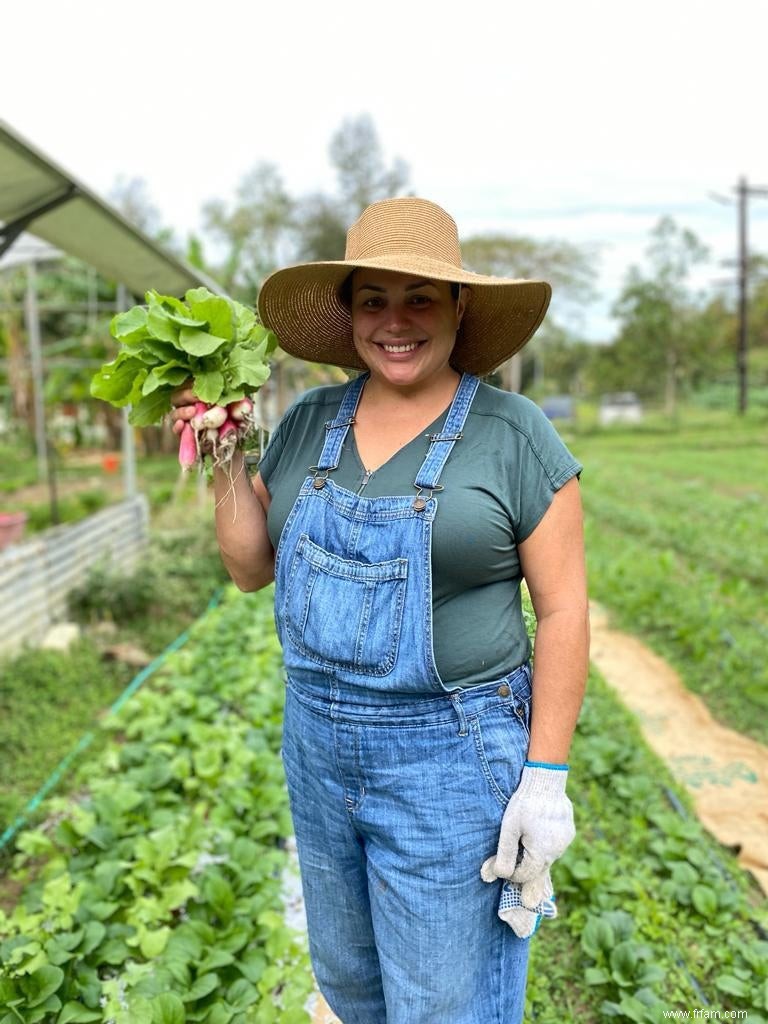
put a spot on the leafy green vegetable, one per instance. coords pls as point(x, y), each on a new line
point(216, 342)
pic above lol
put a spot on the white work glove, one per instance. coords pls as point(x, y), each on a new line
point(521, 919)
point(536, 829)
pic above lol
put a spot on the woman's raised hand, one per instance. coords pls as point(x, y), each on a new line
point(183, 402)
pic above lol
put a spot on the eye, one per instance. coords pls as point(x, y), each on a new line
point(372, 303)
point(420, 300)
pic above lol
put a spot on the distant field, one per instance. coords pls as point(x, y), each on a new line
point(678, 550)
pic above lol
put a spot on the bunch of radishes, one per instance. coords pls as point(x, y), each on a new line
point(217, 429)
point(213, 345)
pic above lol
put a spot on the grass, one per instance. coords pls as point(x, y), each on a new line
point(677, 549)
point(83, 485)
point(49, 700)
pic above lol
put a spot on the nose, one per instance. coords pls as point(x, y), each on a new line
point(397, 317)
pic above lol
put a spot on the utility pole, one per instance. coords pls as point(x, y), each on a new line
point(743, 192)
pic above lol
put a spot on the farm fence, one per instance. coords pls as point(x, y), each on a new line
point(37, 575)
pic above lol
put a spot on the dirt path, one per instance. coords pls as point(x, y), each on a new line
point(725, 773)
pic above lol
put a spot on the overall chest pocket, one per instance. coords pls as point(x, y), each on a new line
point(346, 613)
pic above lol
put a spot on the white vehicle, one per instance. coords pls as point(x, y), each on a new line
point(620, 407)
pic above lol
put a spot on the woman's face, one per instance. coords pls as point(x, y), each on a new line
point(404, 326)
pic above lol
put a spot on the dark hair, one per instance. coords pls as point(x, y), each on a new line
point(345, 290)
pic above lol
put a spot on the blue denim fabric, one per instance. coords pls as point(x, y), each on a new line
point(397, 786)
point(395, 807)
point(353, 575)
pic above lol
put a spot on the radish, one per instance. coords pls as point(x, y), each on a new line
point(214, 417)
point(240, 410)
point(187, 447)
point(235, 363)
point(213, 427)
point(200, 410)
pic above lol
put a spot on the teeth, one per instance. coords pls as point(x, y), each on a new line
point(400, 348)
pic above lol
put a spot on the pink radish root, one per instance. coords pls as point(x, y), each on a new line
point(215, 430)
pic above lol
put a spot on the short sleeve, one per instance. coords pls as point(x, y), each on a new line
point(274, 450)
point(277, 442)
point(546, 464)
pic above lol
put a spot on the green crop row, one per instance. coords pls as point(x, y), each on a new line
point(655, 915)
point(153, 896)
point(677, 549)
point(712, 630)
point(723, 532)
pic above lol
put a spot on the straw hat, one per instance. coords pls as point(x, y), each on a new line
point(302, 305)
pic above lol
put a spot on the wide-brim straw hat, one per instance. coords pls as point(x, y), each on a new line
point(303, 306)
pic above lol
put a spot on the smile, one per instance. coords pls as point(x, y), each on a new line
point(408, 347)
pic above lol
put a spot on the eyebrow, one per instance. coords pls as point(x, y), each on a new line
point(410, 288)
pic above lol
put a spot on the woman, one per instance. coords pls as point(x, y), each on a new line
point(397, 515)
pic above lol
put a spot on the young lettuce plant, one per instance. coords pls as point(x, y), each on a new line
point(213, 341)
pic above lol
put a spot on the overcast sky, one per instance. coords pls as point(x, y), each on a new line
point(583, 120)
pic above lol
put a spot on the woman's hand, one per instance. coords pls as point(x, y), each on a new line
point(185, 402)
point(536, 829)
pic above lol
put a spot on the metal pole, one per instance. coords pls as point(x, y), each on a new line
point(741, 352)
point(129, 447)
point(32, 323)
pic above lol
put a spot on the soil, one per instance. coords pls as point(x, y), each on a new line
point(725, 772)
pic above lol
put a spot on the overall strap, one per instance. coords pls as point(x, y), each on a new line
point(336, 429)
point(441, 445)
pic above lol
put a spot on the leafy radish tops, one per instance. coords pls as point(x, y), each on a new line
point(216, 342)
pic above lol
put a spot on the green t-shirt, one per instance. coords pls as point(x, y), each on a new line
point(499, 481)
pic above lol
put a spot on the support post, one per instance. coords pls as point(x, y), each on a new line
point(32, 324)
point(741, 351)
point(129, 447)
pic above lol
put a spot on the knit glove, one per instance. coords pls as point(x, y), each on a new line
point(536, 829)
point(522, 920)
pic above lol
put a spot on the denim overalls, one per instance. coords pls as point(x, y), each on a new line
point(397, 784)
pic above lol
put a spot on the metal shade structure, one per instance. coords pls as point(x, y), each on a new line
point(38, 196)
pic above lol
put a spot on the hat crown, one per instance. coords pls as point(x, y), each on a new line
point(393, 227)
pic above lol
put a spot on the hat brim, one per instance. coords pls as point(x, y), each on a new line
point(301, 304)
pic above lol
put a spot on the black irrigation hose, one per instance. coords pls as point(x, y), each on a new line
point(85, 741)
point(724, 873)
point(703, 1001)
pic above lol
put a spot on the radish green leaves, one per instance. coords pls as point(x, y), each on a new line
point(215, 341)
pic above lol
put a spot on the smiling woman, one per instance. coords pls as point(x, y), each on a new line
point(404, 328)
point(398, 515)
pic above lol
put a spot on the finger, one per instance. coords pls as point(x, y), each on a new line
point(184, 412)
point(538, 889)
point(507, 856)
point(529, 867)
point(488, 872)
point(183, 395)
point(185, 400)
point(177, 427)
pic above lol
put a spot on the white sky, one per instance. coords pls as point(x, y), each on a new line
point(581, 120)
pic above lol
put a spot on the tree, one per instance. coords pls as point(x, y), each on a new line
point(321, 230)
point(131, 198)
point(356, 154)
point(569, 269)
point(322, 220)
point(659, 313)
point(255, 231)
